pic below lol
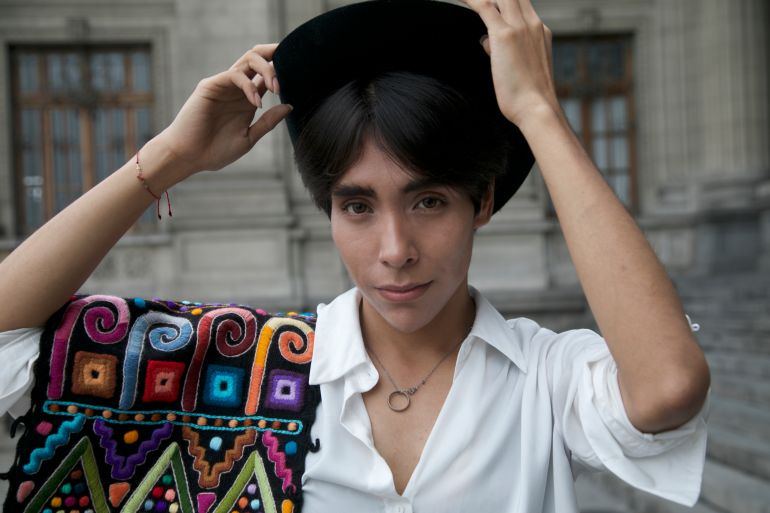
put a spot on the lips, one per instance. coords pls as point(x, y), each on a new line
point(401, 293)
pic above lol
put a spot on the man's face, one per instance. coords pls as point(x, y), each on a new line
point(405, 243)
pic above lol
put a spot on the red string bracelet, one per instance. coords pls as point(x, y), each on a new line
point(140, 177)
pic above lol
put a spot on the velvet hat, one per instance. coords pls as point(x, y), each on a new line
point(427, 37)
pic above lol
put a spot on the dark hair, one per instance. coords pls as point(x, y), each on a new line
point(424, 125)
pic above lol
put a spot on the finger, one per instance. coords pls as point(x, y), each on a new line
point(256, 60)
point(549, 48)
point(249, 88)
point(511, 11)
point(264, 68)
point(528, 12)
point(485, 44)
point(252, 64)
point(259, 81)
point(489, 14)
point(265, 50)
point(267, 122)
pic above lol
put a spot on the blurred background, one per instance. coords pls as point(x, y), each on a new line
point(670, 98)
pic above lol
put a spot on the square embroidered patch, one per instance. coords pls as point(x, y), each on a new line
point(163, 381)
point(286, 390)
point(224, 386)
point(94, 374)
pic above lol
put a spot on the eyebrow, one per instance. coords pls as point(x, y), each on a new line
point(351, 190)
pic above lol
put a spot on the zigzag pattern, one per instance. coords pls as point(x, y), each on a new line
point(124, 467)
point(208, 474)
point(62, 436)
point(278, 460)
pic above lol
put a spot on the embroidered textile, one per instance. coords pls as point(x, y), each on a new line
point(167, 407)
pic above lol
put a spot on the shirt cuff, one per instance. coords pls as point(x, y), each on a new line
point(668, 464)
point(19, 350)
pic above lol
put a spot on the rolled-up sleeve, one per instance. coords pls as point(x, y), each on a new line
point(589, 413)
point(19, 349)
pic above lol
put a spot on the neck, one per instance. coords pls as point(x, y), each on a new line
point(444, 332)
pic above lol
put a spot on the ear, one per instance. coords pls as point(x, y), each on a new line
point(485, 209)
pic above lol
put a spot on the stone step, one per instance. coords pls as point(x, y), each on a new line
point(750, 282)
point(737, 451)
point(734, 491)
point(755, 366)
point(637, 501)
point(744, 342)
point(727, 308)
point(746, 389)
point(747, 421)
point(594, 498)
point(718, 321)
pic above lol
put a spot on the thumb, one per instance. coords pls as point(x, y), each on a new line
point(485, 43)
point(267, 121)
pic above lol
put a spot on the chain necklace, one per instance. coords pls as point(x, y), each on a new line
point(403, 395)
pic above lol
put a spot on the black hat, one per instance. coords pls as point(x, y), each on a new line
point(427, 37)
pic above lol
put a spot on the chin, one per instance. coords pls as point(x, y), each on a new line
point(406, 318)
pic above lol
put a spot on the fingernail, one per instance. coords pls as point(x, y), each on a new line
point(483, 38)
point(291, 107)
point(276, 90)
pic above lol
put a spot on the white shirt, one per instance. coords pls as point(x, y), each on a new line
point(527, 409)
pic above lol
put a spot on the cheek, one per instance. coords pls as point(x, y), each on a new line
point(352, 247)
point(452, 246)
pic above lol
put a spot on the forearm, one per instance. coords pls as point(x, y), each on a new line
point(52, 264)
point(662, 372)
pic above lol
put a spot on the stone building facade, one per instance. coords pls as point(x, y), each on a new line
point(699, 112)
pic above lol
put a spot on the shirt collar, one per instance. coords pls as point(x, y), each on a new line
point(339, 346)
point(491, 327)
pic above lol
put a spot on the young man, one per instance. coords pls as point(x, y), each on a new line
point(429, 398)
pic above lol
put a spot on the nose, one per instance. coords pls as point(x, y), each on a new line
point(397, 242)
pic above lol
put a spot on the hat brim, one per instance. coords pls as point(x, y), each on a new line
point(366, 39)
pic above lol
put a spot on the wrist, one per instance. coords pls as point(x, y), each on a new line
point(539, 117)
point(161, 167)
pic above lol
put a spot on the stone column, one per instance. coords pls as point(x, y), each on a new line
point(735, 131)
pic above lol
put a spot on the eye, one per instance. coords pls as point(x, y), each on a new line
point(355, 208)
point(430, 202)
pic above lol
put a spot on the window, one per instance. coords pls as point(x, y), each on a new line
point(594, 83)
point(79, 113)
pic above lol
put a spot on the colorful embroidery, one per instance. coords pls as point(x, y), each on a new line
point(224, 386)
point(124, 467)
point(52, 442)
point(163, 381)
point(76, 477)
point(279, 461)
point(209, 474)
point(94, 374)
point(95, 321)
point(118, 492)
point(178, 418)
point(286, 390)
point(227, 329)
point(166, 333)
point(253, 484)
point(169, 407)
point(168, 473)
point(265, 340)
point(205, 501)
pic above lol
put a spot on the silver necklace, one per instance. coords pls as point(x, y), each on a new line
point(403, 395)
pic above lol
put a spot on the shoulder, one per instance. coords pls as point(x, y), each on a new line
point(539, 343)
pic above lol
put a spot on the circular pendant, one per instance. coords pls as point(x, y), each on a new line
point(398, 400)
